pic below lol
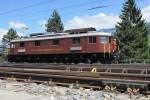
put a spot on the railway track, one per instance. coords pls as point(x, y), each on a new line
point(93, 76)
point(49, 65)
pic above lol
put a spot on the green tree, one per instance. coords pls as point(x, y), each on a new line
point(10, 35)
point(54, 24)
point(131, 32)
point(148, 27)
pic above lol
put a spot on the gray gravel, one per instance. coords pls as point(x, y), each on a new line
point(12, 90)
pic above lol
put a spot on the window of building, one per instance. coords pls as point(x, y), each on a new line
point(104, 40)
point(92, 39)
point(22, 44)
point(55, 42)
point(37, 43)
point(76, 40)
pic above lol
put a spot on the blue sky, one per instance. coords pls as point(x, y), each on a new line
point(33, 14)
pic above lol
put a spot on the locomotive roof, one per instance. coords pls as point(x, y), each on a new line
point(65, 35)
point(81, 30)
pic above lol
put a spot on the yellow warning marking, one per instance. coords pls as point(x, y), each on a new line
point(11, 78)
point(136, 90)
point(129, 90)
point(107, 88)
point(113, 88)
point(94, 70)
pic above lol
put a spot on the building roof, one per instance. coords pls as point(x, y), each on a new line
point(64, 35)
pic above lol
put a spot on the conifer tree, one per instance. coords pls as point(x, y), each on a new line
point(6, 40)
point(131, 32)
point(54, 24)
point(10, 35)
point(148, 27)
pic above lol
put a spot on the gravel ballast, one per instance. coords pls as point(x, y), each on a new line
point(12, 90)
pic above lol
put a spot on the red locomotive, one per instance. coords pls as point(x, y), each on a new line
point(84, 45)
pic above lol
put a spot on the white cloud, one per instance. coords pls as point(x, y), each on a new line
point(2, 32)
point(18, 25)
point(146, 13)
point(98, 21)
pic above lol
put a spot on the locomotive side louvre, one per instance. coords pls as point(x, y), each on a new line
point(74, 48)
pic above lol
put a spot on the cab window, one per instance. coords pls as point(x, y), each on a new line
point(12, 45)
point(76, 40)
point(37, 43)
point(22, 44)
point(92, 39)
point(104, 39)
point(56, 42)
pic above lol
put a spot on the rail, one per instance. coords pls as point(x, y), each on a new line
point(95, 74)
